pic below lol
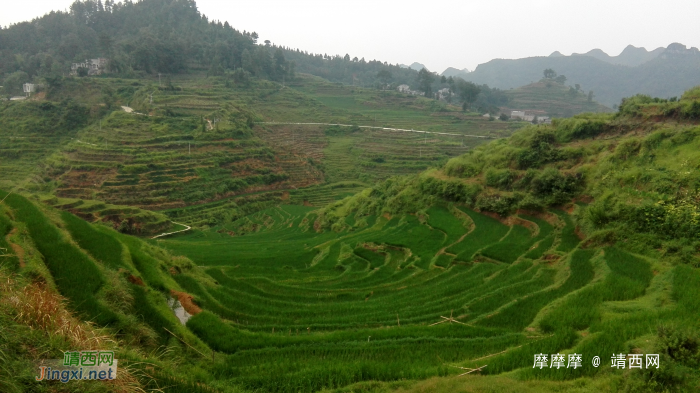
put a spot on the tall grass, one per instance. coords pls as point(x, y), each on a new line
point(75, 274)
point(568, 238)
point(7, 257)
point(522, 312)
point(102, 247)
point(148, 266)
point(487, 231)
point(150, 314)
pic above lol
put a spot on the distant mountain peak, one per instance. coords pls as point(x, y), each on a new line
point(631, 56)
point(417, 66)
point(452, 72)
point(597, 52)
point(556, 54)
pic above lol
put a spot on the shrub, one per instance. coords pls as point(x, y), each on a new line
point(500, 178)
point(540, 150)
point(556, 188)
point(498, 203)
point(571, 129)
point(76, 275)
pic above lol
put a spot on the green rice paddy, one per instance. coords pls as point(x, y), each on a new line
point(299, 310)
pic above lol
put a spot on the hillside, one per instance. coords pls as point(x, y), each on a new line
point(578, 237)
point(235, 217)
point(193, 131)
point(668, 75)
point(552, 98)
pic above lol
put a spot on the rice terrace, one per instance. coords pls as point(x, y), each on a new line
point(222, 214)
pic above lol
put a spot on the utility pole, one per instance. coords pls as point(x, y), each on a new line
point(159, 85)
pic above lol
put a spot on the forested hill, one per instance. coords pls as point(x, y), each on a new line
point(165, 36)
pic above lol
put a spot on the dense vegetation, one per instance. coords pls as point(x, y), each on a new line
point(553, 98)
point(579, 237)
point(345, 238)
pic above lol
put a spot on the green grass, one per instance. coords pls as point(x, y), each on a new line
point(553, 98)
point(102, 247)
point(8, 259)
point(75, 274)
point(488, 231)
point(521, 313)
point(569, 239)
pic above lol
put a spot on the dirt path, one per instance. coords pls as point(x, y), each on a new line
point(19, 251)
point(377, 128)
point(172, 233)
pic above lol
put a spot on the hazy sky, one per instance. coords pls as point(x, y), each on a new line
point(441, 34)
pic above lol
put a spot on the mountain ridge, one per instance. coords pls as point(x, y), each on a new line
point(670, 74)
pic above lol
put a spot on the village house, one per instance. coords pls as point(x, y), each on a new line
point(443, 94)
point(530, 116)
point(517, 115)
point(404, 89)
point(94, 66)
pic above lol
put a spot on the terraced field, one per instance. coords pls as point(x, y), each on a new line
point(194, 148)
point(159, 163)
point(301, 310)
point(553, 99)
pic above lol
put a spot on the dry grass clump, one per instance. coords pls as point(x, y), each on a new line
point(37, 306)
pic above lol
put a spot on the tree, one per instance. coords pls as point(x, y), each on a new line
point(560, 79)
point(468, 92)
point(549, 73)
point(248, 62)
point(106, 43)
point(503, 117)
point(280, 64)
point(577, 86)
point(384, 76)
point(425, 82)
point(590, 96)
point(13, 83)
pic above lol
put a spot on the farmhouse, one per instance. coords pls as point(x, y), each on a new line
point(517, 115)
point(94, 66)
point(404, 89)
point(444, 93)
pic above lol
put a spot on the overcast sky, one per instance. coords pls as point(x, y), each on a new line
point(441, 34)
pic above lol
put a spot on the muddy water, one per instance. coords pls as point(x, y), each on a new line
point(178, 310)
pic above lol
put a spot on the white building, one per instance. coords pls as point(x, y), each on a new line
point(94, 66)
point(517, 115)
point(444, 93)
point(29, 88)
point(404, 89)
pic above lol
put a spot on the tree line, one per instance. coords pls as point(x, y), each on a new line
point(172, 36)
